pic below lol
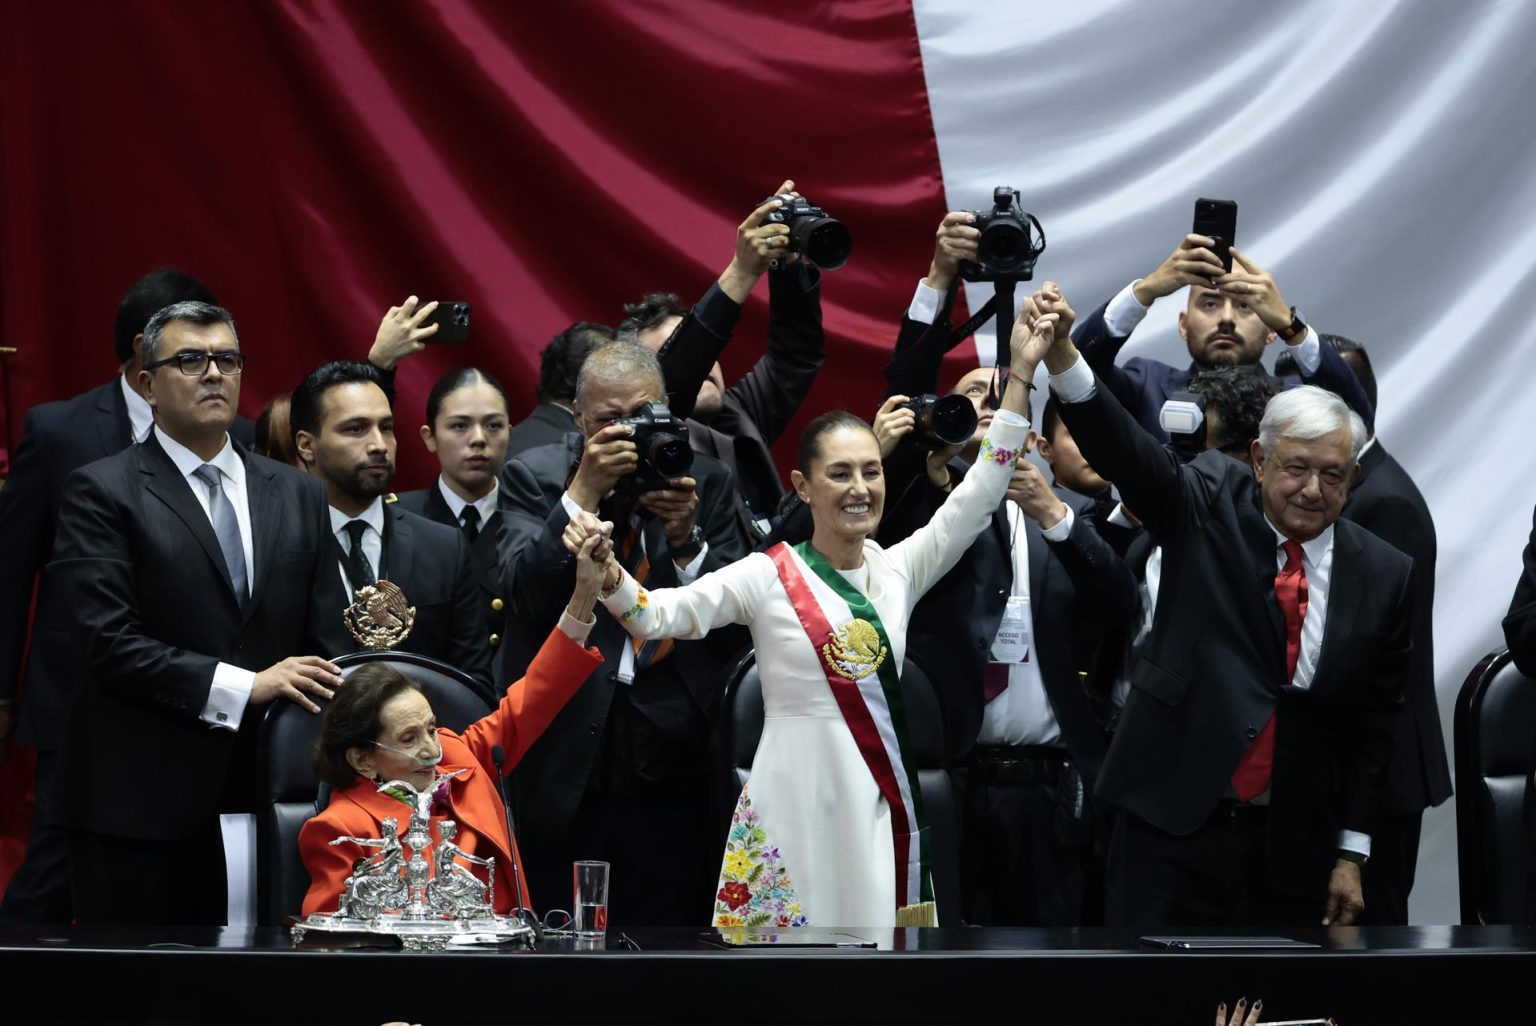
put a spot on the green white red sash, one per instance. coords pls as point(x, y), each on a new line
point(861, 669)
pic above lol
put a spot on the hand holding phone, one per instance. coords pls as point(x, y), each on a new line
point(452, 321)
point(1217, 220)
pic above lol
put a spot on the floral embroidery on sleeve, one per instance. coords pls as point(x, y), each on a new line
point(755, 888)
point(1002, 457)
point(636, 611)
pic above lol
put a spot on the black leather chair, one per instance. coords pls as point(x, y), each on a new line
point(1495, 740)
point(741, 727)
point(290, 791)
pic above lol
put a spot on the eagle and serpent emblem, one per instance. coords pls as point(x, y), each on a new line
point(854, 651)
point(379, 617)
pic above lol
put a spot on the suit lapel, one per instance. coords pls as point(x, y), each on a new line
point(165, 483)
point(266, 522)
point(436, 507)
point(1344, 595)
point(1261, 550)
point(399, 547)
point(113, 428)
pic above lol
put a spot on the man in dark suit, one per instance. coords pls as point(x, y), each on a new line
point(559, 363)
point(739, 425)
point(344, 433)
point(1230, 318)
point(1385, 501)
point(1249, 761)
point(621, 773)
point(1520, 621)
point(191, 566)
point(58, 438)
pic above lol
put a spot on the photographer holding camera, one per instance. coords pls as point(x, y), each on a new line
point(1003, 636)
point(788, 239)
point(620, 774)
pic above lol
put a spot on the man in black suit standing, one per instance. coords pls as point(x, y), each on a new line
point(559, 363)
point(1249, 760)
point(344, 433)
point(621, 773)
point(60, 437)
point(191, 565)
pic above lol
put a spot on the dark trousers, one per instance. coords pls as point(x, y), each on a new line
point(1217, 876)
point(663, 857)
point(1023, 853)
point(1387, 877)
point(39, 890)
point(124, 880)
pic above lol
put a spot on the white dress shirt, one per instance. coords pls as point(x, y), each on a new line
point(486, 504)
point(232, 685)
point(1125, 312)
point(373, 538)
point(141, 415)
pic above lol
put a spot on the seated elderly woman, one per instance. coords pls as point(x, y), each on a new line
point(381, 728)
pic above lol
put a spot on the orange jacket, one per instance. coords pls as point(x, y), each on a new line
point(530, 704)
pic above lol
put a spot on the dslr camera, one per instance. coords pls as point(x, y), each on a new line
point(824, 241)
point(941, 420)
point(1011, 241)
point(662, 441)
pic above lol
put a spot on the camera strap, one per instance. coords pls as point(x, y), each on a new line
point(1000, 306)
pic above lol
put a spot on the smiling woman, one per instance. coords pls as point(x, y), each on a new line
point(830, 829)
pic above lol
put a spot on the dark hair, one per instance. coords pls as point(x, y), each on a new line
point(453, 381)
point(274, 438)
point(304, 407)
point(1050, 419)
point(352, 720)
point(190, 310)
point(652, 309)
point(560, 361)
point(155, 291)
point(810, 439)
point(1285, 363)
point(1238, 396)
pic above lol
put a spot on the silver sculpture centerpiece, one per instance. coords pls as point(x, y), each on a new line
point(428, 898)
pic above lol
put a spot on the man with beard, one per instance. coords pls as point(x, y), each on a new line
point(1230, 318)
point(344, 433)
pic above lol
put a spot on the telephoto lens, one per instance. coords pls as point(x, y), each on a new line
point(824, 241)
point(941, 420)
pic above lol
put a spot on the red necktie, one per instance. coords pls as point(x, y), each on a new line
point(1251, 778)
point(994, 681)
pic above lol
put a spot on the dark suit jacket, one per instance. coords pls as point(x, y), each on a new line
point(755, 410)
point(58, 438)
point(154, 612)
point(1520, 622)
point(1142, 385)
point(665, 712)
point(1077, 587)
point(1385, 501)
point(430, 563)
point(548, 423)
point(484, 555)
point(1213, 671)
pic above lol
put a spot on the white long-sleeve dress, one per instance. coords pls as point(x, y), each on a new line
point(811, 841)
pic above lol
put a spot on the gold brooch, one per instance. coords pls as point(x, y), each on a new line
point(855, 651)
point(379, 617)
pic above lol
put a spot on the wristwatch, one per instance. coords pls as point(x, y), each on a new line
point(1292, 330)
point(690, 546)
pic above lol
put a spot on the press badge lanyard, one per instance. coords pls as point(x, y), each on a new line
point(1015, 633)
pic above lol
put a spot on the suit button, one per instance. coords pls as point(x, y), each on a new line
point(497, 604)
point(981, 644)
point(1253, 732)
point(593, 728)
point(495, 640)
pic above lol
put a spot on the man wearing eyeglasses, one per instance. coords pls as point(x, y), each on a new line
point(59, 438)
point(191, 565)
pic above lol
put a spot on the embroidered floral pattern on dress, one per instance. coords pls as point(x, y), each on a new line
point(997, 454)
point(755, 888)
point(636, 611)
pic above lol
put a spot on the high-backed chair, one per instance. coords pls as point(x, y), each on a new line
point(290, 790)
point(741, 727)
point(1495, 741)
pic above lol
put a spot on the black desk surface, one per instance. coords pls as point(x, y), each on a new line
point(1437, 974)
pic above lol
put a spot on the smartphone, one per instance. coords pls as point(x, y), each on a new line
point(452, 320)
point(1218, 219)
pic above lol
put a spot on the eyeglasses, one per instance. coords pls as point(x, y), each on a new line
point(194, 365)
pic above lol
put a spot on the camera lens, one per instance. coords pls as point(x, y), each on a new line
point(825, 241)
point(669, 454)
point(1004, 245)
point(952, 419)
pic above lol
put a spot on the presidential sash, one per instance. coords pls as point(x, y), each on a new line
point(860, 667)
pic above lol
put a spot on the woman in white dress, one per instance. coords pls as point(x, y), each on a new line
point(829, 829)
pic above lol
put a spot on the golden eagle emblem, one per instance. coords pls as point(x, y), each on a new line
point(855, 651)
point(379, 617)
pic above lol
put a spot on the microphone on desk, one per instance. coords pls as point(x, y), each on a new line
point(499, 757)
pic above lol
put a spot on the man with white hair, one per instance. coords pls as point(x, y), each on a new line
point(1248, 762)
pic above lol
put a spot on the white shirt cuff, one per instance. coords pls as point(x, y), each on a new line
point(1009, 417)
point(1124, 312)
point(571, 509)
point(688, 574)
point(1351, 840)
point(228, 697)
point(1063, 527)
point(1121, 517)
point(1074, 384)
point(1307, 351)
point(925, 303)
point(575, 629)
